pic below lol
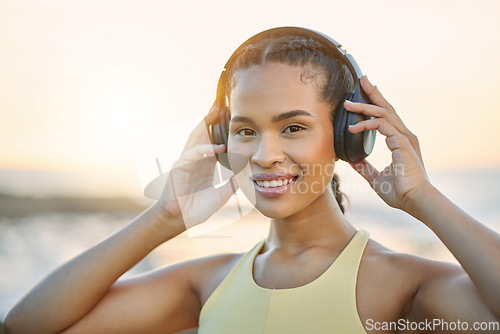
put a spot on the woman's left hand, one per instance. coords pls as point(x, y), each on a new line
point(405, 179)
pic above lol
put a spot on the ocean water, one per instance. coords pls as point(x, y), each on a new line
point(32, 243)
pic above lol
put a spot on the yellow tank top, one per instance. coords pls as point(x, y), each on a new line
point(325, 305)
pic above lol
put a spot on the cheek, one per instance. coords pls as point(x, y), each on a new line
point(244, 180)
point(327, 148)
point(238, 154)
point(317, 160)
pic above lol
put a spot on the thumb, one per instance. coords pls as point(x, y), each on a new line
point(365, 169)
point(228, 189)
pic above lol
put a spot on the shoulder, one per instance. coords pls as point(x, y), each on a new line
point(163, 300)
point(404, 264)
point(180, 288)
point(416, 288)
point(390, 281)
point(421, 269)
point(205, 274)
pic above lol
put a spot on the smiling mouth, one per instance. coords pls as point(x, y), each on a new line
point(274, 183)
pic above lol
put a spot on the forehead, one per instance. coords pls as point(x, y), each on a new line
point(272, 88)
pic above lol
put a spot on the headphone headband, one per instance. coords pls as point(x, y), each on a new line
point(325, 40)
point(348, 146)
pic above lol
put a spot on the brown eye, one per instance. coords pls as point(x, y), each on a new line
point(246, 132)
point(293, 128)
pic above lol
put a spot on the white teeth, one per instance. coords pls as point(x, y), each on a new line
point(274, 183)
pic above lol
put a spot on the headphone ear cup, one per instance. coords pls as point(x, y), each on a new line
point(352, 146)
point(219, 135)
point(358, 145)
point(339, 130)
point(354, 142)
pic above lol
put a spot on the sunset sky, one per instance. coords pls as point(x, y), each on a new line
point(84, 83)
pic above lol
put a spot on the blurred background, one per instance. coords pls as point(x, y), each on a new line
point(83, 84)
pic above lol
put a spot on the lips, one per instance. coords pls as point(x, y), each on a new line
point(273, 184)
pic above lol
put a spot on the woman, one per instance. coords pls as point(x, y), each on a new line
point(314, 273)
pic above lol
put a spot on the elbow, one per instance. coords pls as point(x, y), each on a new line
point(19, 321)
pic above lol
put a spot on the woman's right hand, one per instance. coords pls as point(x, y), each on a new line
point(189, 195)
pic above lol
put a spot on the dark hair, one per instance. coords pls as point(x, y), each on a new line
point(333, 79)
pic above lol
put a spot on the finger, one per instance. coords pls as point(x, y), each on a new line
point(228, 188)
point(220, 194)
point(380, 124)
point(378, 112)
point(365, 169)
point(200, 152)
point(370, 110)
point(394, 139)
point(200, 134)
point(188, 182)
point(212, 115)
point(207, 201)
point(375, 111)
point(374, 94)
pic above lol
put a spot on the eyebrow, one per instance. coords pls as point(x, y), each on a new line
point(275, 119)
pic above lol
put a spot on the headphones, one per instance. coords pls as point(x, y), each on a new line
point(348, 146)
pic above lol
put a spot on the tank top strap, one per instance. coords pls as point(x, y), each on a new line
point(338, 284)
point(348, 260)
point(353, 252)
point(346, 265)
point(237, 274)
point(325, 305)
point(247, 260)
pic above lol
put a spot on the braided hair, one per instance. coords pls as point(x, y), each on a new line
point(332, 78)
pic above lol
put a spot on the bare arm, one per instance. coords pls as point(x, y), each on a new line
point(404, 185)
point(448, 298)
point(475, 246)
point(82, 294)
point(71, 291)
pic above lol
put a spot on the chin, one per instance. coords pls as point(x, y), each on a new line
point(273, 214)
point(276, 209)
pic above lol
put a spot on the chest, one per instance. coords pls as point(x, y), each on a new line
point(269, 294)
point(272, 271)
point(380, 292)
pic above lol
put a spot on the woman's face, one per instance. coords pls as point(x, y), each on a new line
point(281, 129)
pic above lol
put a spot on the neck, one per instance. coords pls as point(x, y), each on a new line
point(320, 223)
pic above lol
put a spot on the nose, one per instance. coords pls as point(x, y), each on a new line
point(268, 151)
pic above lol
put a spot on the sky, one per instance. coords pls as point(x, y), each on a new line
point(85, 85)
